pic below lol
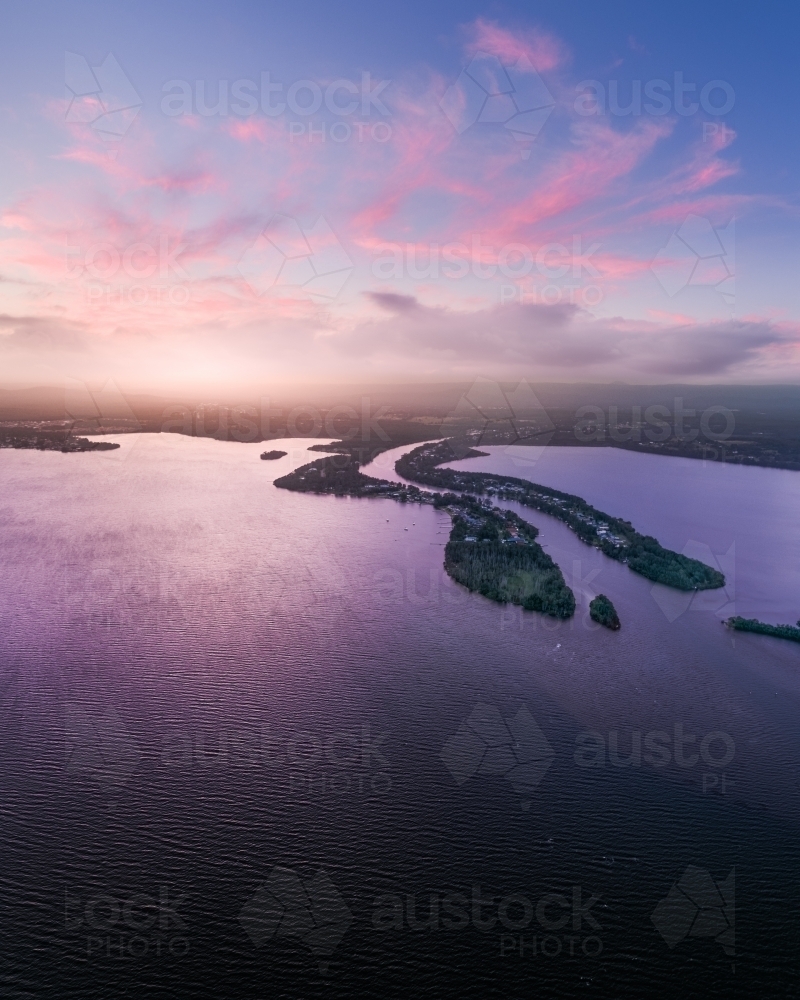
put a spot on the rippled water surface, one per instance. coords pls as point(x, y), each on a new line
point(236, 759)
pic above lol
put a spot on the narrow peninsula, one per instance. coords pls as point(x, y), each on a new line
point(740, 624)
point(49, 439)
point(494, 551)
point(614, 537)
point(491, 551)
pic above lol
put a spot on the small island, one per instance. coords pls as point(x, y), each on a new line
point(270, 456)
point(602, 611)
point(791, 632)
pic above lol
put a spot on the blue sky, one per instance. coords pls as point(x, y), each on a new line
point(656, 302)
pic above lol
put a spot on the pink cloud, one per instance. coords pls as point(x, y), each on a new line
point(544, 50)
point(249, 129)
point(600, 157)
point(212, 184)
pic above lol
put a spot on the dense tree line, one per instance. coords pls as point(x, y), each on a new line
point(511, 574)
point(602, 611)
point(754, 625)
point(50, 440)
point(341, 475)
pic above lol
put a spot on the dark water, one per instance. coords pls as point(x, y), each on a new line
point(235, 759)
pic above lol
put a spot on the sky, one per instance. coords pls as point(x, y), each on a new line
point(197, 194)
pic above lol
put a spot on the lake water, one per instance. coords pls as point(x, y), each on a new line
point(236, 758)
